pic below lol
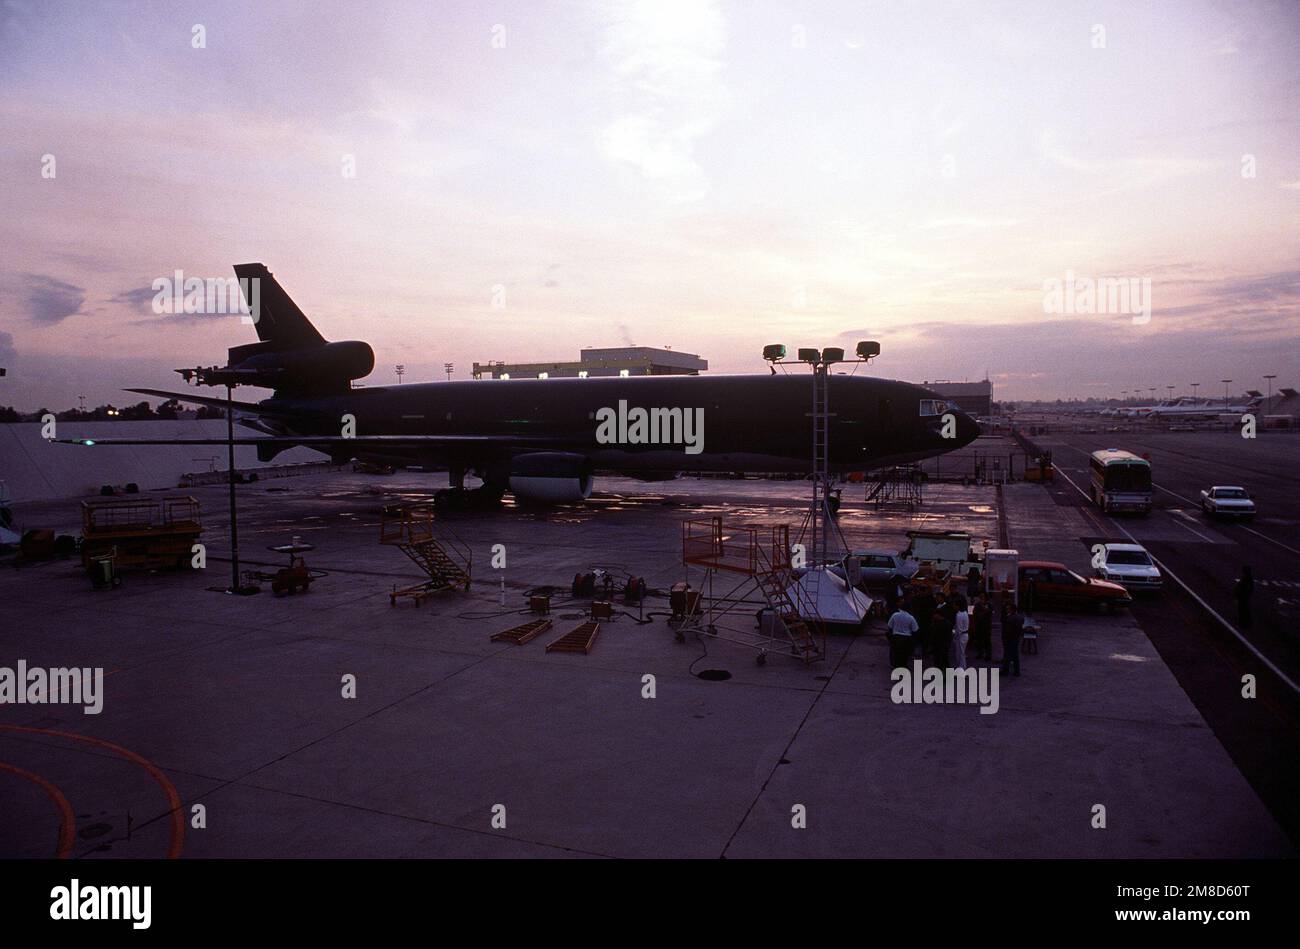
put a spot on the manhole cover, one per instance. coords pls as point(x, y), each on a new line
point(715, 675)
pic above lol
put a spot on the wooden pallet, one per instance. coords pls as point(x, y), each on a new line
point(523, 633)
point(578, 639)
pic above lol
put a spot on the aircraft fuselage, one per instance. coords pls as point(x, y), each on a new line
point(723, 423)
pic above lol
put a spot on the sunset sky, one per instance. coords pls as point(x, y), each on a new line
point(712, 177)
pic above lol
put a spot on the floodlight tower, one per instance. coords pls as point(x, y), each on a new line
point(820, 520)
point(228, 377)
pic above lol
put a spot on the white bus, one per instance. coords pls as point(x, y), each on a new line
point(1121, 481)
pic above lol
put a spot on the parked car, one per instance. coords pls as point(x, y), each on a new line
point(1130, 566)
point(881, 566)
point(1228, 500)
point(1050, 584)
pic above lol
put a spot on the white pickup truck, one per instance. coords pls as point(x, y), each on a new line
point(1228, 500)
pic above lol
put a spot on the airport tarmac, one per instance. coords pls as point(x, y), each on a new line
point(1194, 624)
point(236, 704)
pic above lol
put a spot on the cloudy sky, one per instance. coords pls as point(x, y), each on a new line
point(712, 177)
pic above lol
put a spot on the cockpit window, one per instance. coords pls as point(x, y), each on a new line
point(933, 406)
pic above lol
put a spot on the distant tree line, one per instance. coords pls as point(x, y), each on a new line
point(141, 411)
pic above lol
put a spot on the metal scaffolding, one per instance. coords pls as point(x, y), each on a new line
point(901, 484)
point(758, 560)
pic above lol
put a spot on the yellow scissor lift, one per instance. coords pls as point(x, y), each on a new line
point(140, 532)
point(760, 558)
point(445, 559)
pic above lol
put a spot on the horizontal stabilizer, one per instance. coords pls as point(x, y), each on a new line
point(252, 408)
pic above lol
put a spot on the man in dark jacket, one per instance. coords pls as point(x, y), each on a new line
point(923, 608)
point(982, 628)
point(939, 641)
point(1013, 629)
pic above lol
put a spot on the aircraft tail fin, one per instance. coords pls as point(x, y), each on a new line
point(276, 317)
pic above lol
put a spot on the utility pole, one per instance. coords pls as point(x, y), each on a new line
point(401, 371)
point(449, 368)
point(1225, 391)
point(1270, 377)
point(230, 458)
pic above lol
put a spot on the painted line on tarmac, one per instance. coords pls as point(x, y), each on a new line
point(1193, 594)
point(67, 820)
point(1187, 517)
point(1249, 530)
point(168, 789)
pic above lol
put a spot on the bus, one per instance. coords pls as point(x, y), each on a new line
point(1121, 481)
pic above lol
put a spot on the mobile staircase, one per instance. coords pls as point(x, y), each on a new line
point(444, 559)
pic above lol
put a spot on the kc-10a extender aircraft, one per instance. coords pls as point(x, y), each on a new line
point(541, 439)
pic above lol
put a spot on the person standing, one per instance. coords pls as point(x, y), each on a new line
point(1031, 596)
point(960, 633)
point(1243, 591)
point(893, 595)
point(972, 583)
point(902, 631)
point(940, 635)
point(1013, 629)
point(922, 609)
point(982, 628)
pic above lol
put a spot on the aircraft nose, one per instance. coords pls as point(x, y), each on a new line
point(967, 429)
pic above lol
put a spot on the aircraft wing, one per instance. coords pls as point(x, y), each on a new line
point(336, 441)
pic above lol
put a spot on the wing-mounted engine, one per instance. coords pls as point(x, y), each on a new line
point(550, 477)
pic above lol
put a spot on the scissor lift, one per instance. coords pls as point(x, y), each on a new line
point(140, 532)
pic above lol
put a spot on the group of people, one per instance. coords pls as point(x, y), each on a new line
point(939, 628)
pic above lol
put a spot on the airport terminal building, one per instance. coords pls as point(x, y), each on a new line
point(973, 398)
point(618, 361)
